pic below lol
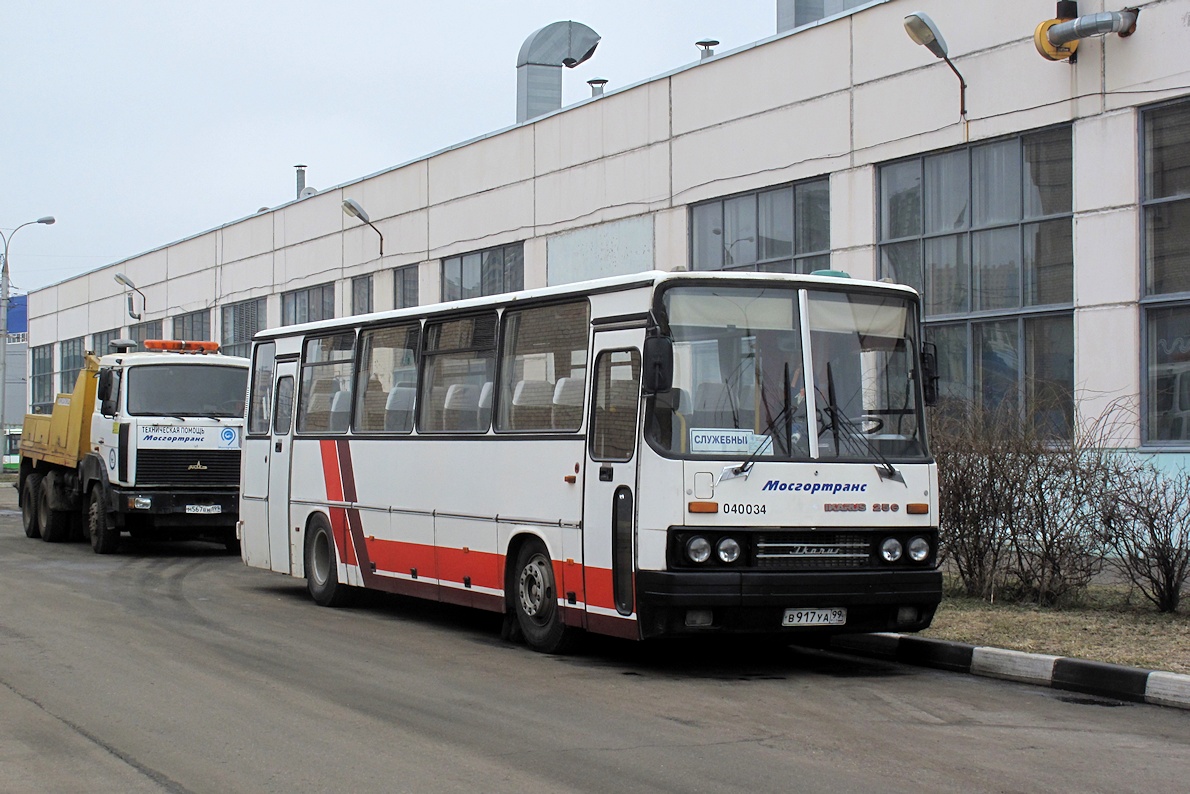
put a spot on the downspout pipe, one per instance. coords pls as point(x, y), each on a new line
point(1122, 22)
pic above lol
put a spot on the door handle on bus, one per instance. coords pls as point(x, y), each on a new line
point(605, 474)
point(277, 447)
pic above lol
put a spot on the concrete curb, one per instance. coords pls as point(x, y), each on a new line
point(1059, 672)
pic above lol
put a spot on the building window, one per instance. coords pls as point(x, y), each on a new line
point(1165, 200)
point(71, 353)
point(489, 272)
point(240, 322)
point(405, 287)
point(361, 294)
point(101, 341)
point(308, 305)
point(195, 326)
point(784, 230)
point(141, 331)
point(985, 233)
point(41, 378)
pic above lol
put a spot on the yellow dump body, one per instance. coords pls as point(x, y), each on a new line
point(63, 437)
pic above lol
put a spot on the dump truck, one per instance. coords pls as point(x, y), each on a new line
point(147, 444)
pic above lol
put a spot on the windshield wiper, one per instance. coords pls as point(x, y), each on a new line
point(840, 421)
point(731, 472)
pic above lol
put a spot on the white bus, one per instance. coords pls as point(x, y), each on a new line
point(646, 455)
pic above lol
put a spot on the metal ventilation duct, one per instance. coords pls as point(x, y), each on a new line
point(539, 65)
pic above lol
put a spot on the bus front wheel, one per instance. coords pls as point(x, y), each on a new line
point(535, 601)
point(322, 567)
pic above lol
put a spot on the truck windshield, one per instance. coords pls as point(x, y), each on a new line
point(740, 383)
point(186, 390)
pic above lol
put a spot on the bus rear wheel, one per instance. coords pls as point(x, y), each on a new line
point(322, 567)
point(535, 601)
point(54, 524)
point(30, 494)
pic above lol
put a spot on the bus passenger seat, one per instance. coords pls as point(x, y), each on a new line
point(461, 409)
point(483, 411)
point(340, 412)
point(532, 405)
point(371, 414)
point(398, 409)
point(568, 403)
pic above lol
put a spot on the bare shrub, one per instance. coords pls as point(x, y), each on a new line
point(1021, 506)
point(1147, 527)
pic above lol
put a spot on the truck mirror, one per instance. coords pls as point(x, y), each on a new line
point(107, 392)
point(657, 373)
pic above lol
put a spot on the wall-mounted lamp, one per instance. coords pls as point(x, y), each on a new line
point(352, 208)
point(923, 31)
point(1057, 39)
point(123, 280)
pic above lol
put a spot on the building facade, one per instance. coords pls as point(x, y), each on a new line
point(1044, 226)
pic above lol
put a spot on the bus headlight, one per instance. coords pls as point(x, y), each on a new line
point(729, 550)
point(919, 549)
point(890, 550)
point(698, 549)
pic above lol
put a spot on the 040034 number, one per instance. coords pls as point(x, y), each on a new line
point(744, 509)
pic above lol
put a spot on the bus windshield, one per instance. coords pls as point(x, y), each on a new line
point(753, 378)
point(184, 390)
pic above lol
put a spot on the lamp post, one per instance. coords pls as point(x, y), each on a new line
point(923, 31)
point(351, 207)
point(124, 281)
point(4, 285)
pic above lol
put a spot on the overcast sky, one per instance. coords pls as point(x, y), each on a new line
point(140, 123)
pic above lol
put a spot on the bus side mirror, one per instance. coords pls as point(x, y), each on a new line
point(929, 373)
point(658, 365)
point(107, 392)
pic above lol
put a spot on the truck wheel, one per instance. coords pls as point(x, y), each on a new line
point(322, 569)
point(535, 601)
point(105, 537)
point(30, 494)
point(54, 524)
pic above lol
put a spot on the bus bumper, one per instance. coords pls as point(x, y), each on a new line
point(670, 603)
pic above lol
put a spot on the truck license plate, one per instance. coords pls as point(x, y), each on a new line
point(834, 616)
point(204, 509)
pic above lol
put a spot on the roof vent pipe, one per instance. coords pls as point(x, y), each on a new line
point(301, 180)
point(539, 65)
point(706, 45)
point(597, 86)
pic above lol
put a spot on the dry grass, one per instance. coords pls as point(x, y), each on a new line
point(1114, 625)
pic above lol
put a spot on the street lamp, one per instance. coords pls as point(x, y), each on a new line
point(123, 280)
point(351, 207)
point(923, 31)
point(47, 220)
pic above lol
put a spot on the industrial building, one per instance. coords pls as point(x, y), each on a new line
point(1036, 193)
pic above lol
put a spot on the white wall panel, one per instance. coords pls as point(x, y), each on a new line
point(310, 263)
point(613, 124)
point(609, 188)
point(191, 256)
point(490, 218)
point(671, 239)
point(247, 238)
point(485, 165)
point(1100, 382)
point(309, 219)
point(246, 278)
point(801, 141)
point(1106, 257)
point(1106, 161)
point(793, 69)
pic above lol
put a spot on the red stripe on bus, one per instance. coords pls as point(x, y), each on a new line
point(334, 493)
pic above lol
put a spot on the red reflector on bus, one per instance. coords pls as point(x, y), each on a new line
point(917, 509)
point(703, 507)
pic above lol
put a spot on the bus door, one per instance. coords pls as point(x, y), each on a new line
point(280, 454)
point(610, 478)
